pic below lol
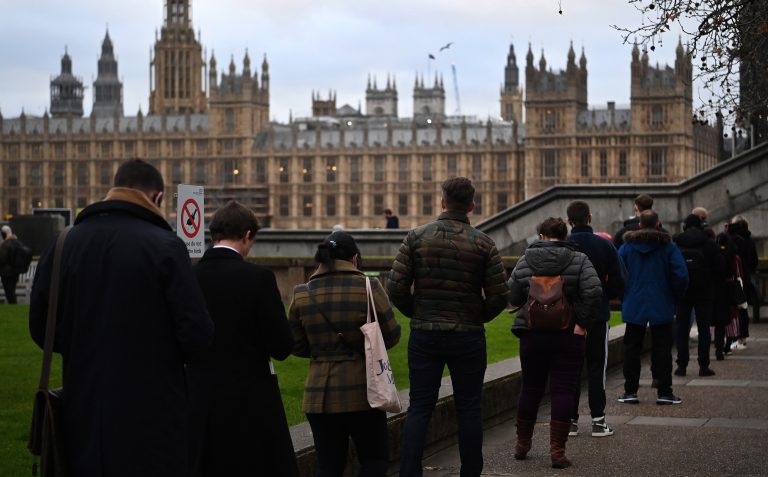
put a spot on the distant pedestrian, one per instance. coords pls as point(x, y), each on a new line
point(554, 356)
point(642, 202)
point(13, 256)
point(130, 313)
point(610, 270)
point(449, 278)
point(705, 267)
point(393, 222)
point(739, 231)
point(724, 310)
point(235, 405)
point(703, 214)
point(656, 283)
point(325, 317)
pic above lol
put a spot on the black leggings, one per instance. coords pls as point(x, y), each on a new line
point(331, 433)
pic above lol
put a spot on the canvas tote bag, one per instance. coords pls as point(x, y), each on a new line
point(382, 393)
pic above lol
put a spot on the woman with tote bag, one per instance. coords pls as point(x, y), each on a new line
point(325, 316)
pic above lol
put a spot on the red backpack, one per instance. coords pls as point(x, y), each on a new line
point(547, 307)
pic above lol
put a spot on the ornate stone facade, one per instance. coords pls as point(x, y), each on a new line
point(342, 166)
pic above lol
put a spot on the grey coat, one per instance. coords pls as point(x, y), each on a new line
point(582, 286)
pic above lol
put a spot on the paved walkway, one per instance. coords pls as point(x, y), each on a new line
point(720, 429)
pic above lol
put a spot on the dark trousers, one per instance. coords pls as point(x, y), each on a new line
point(9, 286)
point(661, 356)
point(754, 299)
point(703, 310)
point(331, 433)
point(743, 324)
point(719, 340)
point(557, 355)
point(465, 355)
point(596, 357)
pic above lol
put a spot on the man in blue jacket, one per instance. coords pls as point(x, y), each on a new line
point(611, 272)
point(656, 280)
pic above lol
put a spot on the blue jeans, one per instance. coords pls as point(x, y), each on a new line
point(428, 354)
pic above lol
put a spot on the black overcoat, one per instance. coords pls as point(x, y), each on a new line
point(237, 416)
point(129, 313)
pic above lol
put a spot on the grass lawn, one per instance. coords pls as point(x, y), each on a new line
point(20, 361)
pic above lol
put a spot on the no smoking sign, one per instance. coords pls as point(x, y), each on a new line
point(190, 218)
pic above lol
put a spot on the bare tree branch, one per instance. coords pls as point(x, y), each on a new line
point(728, 43)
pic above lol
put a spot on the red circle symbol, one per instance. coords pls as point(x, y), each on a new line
point(190, 218)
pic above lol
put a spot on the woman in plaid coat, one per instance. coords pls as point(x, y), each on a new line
point(325, 317)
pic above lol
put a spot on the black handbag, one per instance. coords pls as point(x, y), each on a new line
point(736, 295)
point(46, 440)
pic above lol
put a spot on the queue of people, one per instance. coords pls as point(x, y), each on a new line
point(168, 366)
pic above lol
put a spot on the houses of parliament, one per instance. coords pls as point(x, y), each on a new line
point(343, 165)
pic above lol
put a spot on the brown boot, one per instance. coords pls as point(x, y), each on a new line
point(524, 435)
point(558, 435)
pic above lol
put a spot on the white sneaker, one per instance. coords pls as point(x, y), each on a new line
point(600, 428)
point(736, 346)
point(574, 428)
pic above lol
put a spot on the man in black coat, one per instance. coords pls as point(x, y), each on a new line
point(237, 413)
point(706, 266)
point(643, 202)
point(610, 270)
point(129, 314)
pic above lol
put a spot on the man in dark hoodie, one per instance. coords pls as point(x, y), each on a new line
point(656, 281)
point(705, 265)
point(611, 273)
point(642, 202)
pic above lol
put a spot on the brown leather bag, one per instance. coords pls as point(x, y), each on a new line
point(547, 307)
point(46, 440)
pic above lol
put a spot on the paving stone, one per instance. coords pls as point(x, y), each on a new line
point(737, 423)
point(748, 358)
point(668, 421)
point(731, 383)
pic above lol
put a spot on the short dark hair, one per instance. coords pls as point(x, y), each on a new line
point(232, 221)
point(553, 227)
point(387, 211)
point(340, 245)
point(649, 219)
point(458, 193)
point(643, 202)
point(578, 212)
point(137, 174)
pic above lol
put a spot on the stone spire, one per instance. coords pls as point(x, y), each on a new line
point(107, 89)
point(66, 91)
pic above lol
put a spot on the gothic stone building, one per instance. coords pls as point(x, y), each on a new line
point(343, 165)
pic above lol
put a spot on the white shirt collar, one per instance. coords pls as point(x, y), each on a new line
point(226, 246)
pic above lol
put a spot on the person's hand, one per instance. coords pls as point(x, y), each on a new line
point(578, 330)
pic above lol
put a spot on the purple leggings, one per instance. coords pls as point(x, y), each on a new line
point(557, 355)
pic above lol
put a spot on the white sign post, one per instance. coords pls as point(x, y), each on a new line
point(190, 218)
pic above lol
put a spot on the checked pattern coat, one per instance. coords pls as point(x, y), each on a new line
point(336, 379)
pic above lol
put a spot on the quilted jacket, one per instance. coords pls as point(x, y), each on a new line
point(582, 286)
point(457, 276)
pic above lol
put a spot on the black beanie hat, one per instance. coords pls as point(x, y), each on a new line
point(692, 221)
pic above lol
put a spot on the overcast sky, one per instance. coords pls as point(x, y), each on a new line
point(322, 45)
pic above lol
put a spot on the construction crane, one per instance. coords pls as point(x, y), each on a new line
point(456, 90)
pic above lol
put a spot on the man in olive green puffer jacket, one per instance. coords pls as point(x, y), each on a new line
point(459, 283)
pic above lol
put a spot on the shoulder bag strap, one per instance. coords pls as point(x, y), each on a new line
point(53, 303)
point(371, 302)
point(339, 334)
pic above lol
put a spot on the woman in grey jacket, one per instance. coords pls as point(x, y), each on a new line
point(559, 354)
